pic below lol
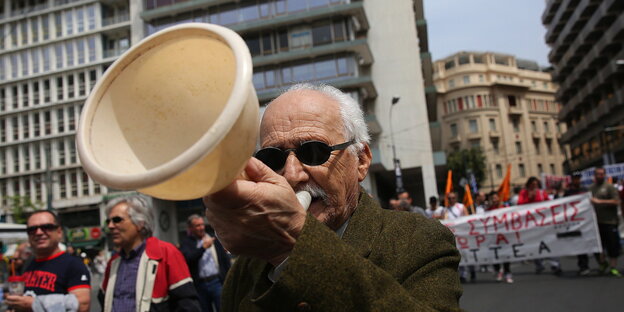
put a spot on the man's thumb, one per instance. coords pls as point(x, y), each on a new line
point(257, 171)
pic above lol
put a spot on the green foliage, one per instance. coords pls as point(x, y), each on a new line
point(464, 161)
point(21, 206)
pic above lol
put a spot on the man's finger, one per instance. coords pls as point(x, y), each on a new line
point(257, 171)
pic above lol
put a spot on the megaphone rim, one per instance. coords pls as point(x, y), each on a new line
point(205, 144)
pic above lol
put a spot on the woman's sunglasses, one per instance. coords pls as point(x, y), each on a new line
point(311, 153)
point(48, 227)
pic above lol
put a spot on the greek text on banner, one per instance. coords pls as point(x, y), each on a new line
point(560, 227)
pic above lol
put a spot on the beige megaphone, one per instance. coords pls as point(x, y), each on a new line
point(175, 117)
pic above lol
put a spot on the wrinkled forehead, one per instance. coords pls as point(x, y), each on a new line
point(304, 111)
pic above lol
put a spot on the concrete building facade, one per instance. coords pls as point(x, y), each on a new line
point(51, 54)
point(587, 53)
point(504, 106)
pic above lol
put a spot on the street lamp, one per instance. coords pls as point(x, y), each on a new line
point(395, 160)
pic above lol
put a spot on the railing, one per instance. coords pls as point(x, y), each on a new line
point(123, 17)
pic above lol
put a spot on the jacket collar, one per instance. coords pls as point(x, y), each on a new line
point(364, 226)
point(151, 249)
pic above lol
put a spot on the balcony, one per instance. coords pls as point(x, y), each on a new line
point(597, 51)
point(363, 83)
point(124, 17)
point(551, 8)
point(359, 47)
point(514, 110)
point(557, 22)
point(589, 27)
point(456, 139)
point(494, 133)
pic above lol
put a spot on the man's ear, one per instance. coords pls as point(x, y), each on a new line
point(365, 157)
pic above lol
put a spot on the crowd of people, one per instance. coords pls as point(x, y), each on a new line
point(343, 252)
point(605, 198)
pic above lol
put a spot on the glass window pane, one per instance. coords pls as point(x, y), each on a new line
point(258, 80)
point(296, 5)
point(303, 72)
point(249, 13)
point(254, 45)
point(342, 66)
point(321, 34)
point(317, 3)
point(286, 77)
point(228, 17)
point(325, 69)
point(270, 78)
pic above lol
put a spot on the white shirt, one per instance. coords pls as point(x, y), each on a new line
point(454, 211)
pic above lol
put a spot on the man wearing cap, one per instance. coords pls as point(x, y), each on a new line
point(345, 253)
point(54, 273)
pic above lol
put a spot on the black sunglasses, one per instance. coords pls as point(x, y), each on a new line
point(114, 219)
point(48, 227)
point(311, 153)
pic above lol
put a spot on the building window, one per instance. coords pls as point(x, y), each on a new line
point(85, 184)
point(466, 79)
point(549, 147)
point(536, 144)
point(321, 34)
point(521, 170)
point(454, 130)
point(495, 147)
point(451, 83)
point(62, 185)
point(60, 118)
point(552, 169)
point(499, 171)
point(518, 147)
point(47, 122)
point(512, 100)
point(492, 124)
point(61, 152)
point(26, 157)
point(533, 126)
point(481, 78)
point(71, 118)
point(475, 144)
point(540, 169)
point(73, 184)
point(59, 88)
point(449, 64)
point(546, 127)
point(472, 125)
point(516, 124)
point(25, 127)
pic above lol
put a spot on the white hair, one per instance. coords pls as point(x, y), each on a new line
point(139, 210)
point(352, 115)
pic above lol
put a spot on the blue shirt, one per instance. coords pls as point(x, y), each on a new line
point(207, 264)
point(124, 298)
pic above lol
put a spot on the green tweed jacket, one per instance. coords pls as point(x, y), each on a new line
point(386, 261)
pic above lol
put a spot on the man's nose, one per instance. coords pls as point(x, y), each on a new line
point(294, 171)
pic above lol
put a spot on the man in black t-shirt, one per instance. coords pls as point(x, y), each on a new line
point(53, 271)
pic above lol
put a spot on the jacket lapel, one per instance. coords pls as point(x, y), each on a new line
point(364, 226)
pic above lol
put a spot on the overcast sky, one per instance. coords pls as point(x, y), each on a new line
point(508, 26)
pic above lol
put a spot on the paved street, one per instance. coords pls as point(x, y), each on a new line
point(545, 292)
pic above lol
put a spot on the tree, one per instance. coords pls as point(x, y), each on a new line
point(463, 162)
point(22, 206)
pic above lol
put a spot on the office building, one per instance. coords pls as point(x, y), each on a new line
point(587, 53)
point(504, 106)
point(51, 54)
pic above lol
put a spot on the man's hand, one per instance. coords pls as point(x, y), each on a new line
point(20, 303)
point(260, 218)
point(595, 200)
point(207, 241)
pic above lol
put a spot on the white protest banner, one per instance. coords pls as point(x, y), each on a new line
point(560, 227)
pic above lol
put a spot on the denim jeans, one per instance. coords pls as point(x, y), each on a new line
point(209, 294)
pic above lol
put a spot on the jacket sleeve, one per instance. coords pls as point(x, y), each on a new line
point(182, 294)
point(191, 253)
point(417, 273)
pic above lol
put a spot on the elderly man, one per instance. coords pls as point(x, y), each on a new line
point(147, 274)
point(54, 273)
point(346, 253)
point(207, 261)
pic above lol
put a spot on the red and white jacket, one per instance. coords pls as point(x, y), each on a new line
point(163, 280)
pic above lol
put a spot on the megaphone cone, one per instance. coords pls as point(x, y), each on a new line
point(175, 117)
